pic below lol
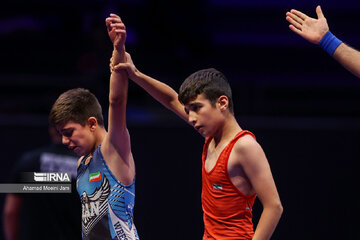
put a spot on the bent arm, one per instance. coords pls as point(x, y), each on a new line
point(257, 169)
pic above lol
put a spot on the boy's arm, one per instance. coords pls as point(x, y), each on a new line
point(256, 167)
point(349, 58)
point(116, 144)
point(317, 31)
point(11, 217)
point(162, 92)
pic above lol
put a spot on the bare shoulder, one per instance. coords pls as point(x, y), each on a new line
point(246, 143)
point(248, 149)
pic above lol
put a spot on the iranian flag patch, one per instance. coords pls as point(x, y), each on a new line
point(93, 177)
point(217, 187)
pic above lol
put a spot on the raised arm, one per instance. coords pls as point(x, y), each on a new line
point(116, 144)
point(162, 92)
point(317, 31)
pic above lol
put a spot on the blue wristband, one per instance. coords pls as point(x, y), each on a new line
point(329, 43)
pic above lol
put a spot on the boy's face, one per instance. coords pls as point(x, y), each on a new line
point(203, 116)
point(77, 137)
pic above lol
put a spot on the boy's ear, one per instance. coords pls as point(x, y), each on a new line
point(223, 103)
point(92, 123)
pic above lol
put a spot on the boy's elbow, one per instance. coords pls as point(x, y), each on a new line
point(279, 208)
point(276, 208)
point(115, 100)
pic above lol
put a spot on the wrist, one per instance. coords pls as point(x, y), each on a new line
point(118, 55)
point(119, 50)
point(329, 43)
point(137, 75)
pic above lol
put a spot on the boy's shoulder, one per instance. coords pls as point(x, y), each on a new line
point(245, 142)
point(246, 148)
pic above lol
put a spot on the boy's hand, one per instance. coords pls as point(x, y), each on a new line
point(311, 29)
point(117, 31)
point(128, 66)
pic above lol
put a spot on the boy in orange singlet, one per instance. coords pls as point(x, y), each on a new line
point(235, 169)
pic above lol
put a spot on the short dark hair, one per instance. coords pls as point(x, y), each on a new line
point(76, 105)
point(211, 82)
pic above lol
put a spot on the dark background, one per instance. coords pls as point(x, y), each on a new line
point(302, 105)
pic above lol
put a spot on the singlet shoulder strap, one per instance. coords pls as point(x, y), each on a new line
point(243, 133)
point(205, 148)
point(231, 144)
point(80, 160)
point(84, 159)
point(81, 163)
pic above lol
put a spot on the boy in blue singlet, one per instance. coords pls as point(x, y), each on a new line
point(106, 169)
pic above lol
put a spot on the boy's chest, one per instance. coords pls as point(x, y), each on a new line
point(210, 162)
point(227, 166)
point(216, 157)
point(220, 160)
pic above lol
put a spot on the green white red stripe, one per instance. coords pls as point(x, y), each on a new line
point(93, 177)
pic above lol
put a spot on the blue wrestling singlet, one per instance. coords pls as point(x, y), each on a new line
point(107, 205)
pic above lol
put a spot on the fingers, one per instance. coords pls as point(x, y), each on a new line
point(120, 67)
point(114, 21)
point(120, 31)
point(319, 12)
point(294, 29)
point(295, 21)
point(117, 25)
point(108, 22)
point(298, 14)
point(114, 15)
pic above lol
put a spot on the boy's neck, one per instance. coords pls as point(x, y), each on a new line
point(100, 135)
point(227, 131)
